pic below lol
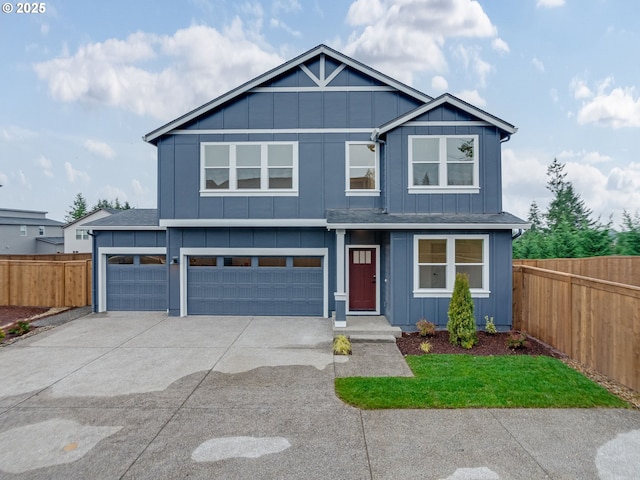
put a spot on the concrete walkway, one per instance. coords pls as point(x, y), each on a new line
point(147, 396)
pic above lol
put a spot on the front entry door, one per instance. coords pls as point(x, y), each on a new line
point(362, 279)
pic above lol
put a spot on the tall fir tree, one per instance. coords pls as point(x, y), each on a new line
point(77, 209)
point(628, 240)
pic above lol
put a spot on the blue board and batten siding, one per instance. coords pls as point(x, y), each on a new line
point(404, 310)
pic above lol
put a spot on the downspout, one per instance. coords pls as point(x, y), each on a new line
point(506, 139)
point(383, 191)
point(517, 234)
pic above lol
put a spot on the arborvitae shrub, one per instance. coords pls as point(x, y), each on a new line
point(462, 323)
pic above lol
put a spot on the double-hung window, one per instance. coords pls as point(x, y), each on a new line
point(23, 230)
point(82, 234)
point(437, 260)
point(443, 164)
point(362, 166)
point(249, 168)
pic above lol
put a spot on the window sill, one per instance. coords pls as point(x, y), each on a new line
point(362, 193)
point(448, 293)
point(249, 193)
point(427, 190)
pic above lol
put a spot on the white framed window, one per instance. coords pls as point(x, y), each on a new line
point(443, 164)
point(23, 230)
point(41, 231)
point(362, 168)
point(249, 168)
point(437, 259)
point(82, 234)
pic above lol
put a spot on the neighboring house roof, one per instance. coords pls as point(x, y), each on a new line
point(153, 136)
point(368, 219)
point(84, 217)
point(51, 240)
point(45, 222)
point(132, 219)
point(448, 99)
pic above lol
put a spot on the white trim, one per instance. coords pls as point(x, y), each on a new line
point(275, 131)
point(321, 88)
point(436, 123)
point(346, 267)
point(456, 102)
point(102, 267)
point(285, 67)
point(185, 252)
point(340, 266)
point(443, 166)
point(426, 226)
point(244, 222)
point(451, 267)
point(128, 227)
point(347, 167)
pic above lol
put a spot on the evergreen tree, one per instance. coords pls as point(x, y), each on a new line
point(628, 240)
point(115, 205)
point(462, 322)
point(566, 205)
point(77, 210)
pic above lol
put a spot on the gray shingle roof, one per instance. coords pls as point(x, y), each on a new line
point(370, 217)
point(134, 217)
point(45, 222)
point(51, 240)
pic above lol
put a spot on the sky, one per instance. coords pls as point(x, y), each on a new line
point(81, 82)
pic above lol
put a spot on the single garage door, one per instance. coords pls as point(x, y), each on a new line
point(136, 282)
point(252, 285)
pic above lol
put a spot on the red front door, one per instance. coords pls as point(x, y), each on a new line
point(362, 279)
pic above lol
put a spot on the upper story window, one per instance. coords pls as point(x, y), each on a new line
point(437, 259)
point(362, 166)
point(41, 231)
point(443, 164)
point(23, 230)
point(82, 234)
point(249, 168)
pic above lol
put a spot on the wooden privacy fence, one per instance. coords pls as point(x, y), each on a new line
point(619, 269)
point(45, 283)
point(595, 322)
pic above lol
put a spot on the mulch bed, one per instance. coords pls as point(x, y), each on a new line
point(9, 315)
point(495, 344)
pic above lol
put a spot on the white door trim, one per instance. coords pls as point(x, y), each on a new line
point(346, 267)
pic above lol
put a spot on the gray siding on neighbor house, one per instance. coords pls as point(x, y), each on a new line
point(396, 156)
point(404, 310)
point(282, 238)
point(321, 156)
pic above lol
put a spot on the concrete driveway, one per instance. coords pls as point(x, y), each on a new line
point(142, 395)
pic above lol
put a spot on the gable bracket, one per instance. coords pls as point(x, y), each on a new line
point(323, 81)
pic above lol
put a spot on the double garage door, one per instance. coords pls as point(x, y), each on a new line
point(255, 285)
point(220, 285)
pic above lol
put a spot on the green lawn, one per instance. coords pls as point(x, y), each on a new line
point(467, 381)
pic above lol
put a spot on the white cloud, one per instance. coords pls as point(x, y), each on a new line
point(439, 83)
point(44, 29)
point(4, 178)
point(275, 23)
point(22, 177)
point(538, 64)
point(583, 156)
point(470, 58)
point(549, 3)
point(204, 63)
point(137, 187)
point(580, 89)
point(472, 97)
point(500, 45)
point(287, 6)
point(615, 108)
point(76, 176)
point(99, 148)
point(605, 192)
point(45, 164)
point(110, 192)
point(13, 133)
point(405, 37)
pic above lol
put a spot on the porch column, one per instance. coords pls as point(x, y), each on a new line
point(340, 295)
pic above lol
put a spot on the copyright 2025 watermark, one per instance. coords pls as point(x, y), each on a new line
point(24, 8)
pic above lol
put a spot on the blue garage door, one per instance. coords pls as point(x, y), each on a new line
point(136, 282)
point(249, 285)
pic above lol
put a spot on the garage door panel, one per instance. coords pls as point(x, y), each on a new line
point(255, 290)
point(135, 287)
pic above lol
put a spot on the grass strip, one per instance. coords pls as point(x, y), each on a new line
point(467, 381)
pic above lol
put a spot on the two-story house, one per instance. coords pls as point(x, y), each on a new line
point(320, 188)
point(77, 237)
point(29, 232)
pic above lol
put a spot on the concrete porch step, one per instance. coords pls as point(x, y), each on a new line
point(371, 329)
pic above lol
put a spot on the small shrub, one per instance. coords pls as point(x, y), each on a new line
point(425, 347)
point(341, 345)
point(517, 340)
point(20, 328)
point(426, 328)
point(462, 322)
point(489, 326)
